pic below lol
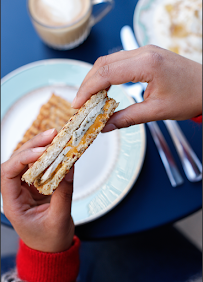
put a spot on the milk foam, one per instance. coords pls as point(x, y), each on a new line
point(58, 12)
point(63, 10)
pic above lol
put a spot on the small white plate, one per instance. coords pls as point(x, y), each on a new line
point(109, 167)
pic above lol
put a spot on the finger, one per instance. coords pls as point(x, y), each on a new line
point(132, 69)
point(29, 165)
point(149, 110)
point(60, 204)
point(100, 62)
point(69, 177)
point(16, 164)
point(12, 169)
point(39, 140)
point(39, 198)
point(105, 60)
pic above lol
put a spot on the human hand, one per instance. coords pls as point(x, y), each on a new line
point(44, 223)
point(174, 88)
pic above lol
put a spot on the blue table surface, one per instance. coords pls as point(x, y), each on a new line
point(152, 201)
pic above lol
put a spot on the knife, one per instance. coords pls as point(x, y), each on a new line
point(189, 160)
point(135, 90)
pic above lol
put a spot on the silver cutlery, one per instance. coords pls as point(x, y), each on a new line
point(190, 162)
point(163, 149)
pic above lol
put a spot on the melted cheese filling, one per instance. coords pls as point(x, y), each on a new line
point(88, 121)
point(79, 137)
point(55, 164)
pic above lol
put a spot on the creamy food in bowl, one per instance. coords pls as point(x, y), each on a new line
point(178, 26)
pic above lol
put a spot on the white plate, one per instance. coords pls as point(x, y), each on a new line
point(152, 25)
point(110, 166)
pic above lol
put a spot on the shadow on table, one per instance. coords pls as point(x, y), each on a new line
point(160, 255)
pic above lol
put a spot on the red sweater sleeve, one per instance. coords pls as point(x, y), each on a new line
point(36, 266)
point(198, 119)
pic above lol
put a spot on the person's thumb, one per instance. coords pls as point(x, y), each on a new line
point(12, 170)
point(62, 198)
point(134, 114)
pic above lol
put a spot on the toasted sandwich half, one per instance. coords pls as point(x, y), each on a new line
point(70, 143)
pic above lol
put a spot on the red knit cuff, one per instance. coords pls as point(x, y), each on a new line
point(198, 119)
point(36, 266)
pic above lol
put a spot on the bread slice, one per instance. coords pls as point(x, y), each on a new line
point(70, 143)
point(53, 114)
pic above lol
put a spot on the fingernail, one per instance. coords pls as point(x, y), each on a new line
point(38, 149)
point(109, 127)
point(74, 102)
point(48, 132)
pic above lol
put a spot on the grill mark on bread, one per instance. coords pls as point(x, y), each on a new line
point(53, 114)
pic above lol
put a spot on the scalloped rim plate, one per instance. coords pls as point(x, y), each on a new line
point(109, 168)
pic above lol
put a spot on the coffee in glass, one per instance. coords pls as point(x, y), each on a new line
point(64, 24)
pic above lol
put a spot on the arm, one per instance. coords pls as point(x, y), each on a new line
point(44, 223)
point(174, 85)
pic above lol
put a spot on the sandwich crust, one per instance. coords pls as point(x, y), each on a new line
point(64, 137)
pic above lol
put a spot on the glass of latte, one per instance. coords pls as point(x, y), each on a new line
point(65, 24)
